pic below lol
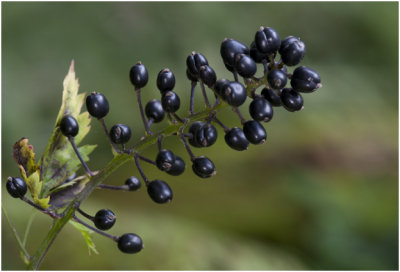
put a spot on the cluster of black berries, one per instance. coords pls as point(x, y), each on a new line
point(239, 59)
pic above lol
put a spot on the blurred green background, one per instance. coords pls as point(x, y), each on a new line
point(321, 193)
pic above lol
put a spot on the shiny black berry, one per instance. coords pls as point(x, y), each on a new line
point(245, 65)
point(207, 75)
point(165, 80)
point(120, 134)
point(69, 126)
point(154, 110)
point(190, 76)
point(256, 55)
point(267, 40)
point(159, 191)
point(130, 243)
point(165, 159)
point(277, 79)
point(16, 187)
point(133, 183)
point(292, 51)
point(220, 85)
point(97, 105)
point(229, 49)
point(234, 94)
point(261, 110)
point(305, 80)
point(236, 139)
point(170, 101)
point(138, 75)
point(193, 130)
point(193, 63)
point(272, 96)
point(206, 135)
point(178, 167)
point(203, 167)
point(254, 132)
point(291, 100)
point(104, 219)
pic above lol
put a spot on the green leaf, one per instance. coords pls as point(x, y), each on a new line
point(35, 186)
point(59, 160)
point(86, 232)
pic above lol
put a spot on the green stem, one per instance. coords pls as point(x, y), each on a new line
point(114, 164)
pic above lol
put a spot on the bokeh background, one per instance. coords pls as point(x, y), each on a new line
point(321, 193)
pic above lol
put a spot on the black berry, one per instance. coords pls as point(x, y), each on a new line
point(104, 219)
point(165, 159)
point(245, 65)
point(206, 135)
point(207, 75)
point(190, 76)
point(272, 96)
point(165, 80)
point(16, 187)
point(154, 110)
point(277, 79)
point(305, 80)
point(69, 126)
point(234, 94)
point(219, 86)
point(170, 101)
point(292, 51)
point(178, 167)
point(203, 167)
point(267, 40)
point(236, 139)
point(193, 130)
point(229, 49)
point(291, 100)
point(254, 132)
point(159, 191)
point(193, 63)
point(120, 134)
point(130, 243)
point(256, 55)
point(133, 183)
point(138, 75)
point(97, 105)
point(261, 110)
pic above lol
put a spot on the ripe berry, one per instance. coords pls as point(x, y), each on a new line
point(165, 80)
point(234, 94)
point(178, 167)
point(133, 183)
point(170, 101)
point(97, 105)
point(193, 129)
point(261, 110)
point(254, 132)
point(165, 159)
point(207, 75)
point(305, 80)
point(120, 134)
point(245, 65)
point(292, 51)
point(229, 49)
point(138, 75)
point(220, 85)
point(206, 135)
point(267, 40)
point(159, 191)
point(203, 167)
point(69, 126)
point(154, 110)
point(277, 79)
point(190, 76)
point(236, 139)
point(16, 187)
point(256, 55)
point(104, 219)
point(193, 63)
point(130, 243)
point(291, 100)
point(272, 96)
